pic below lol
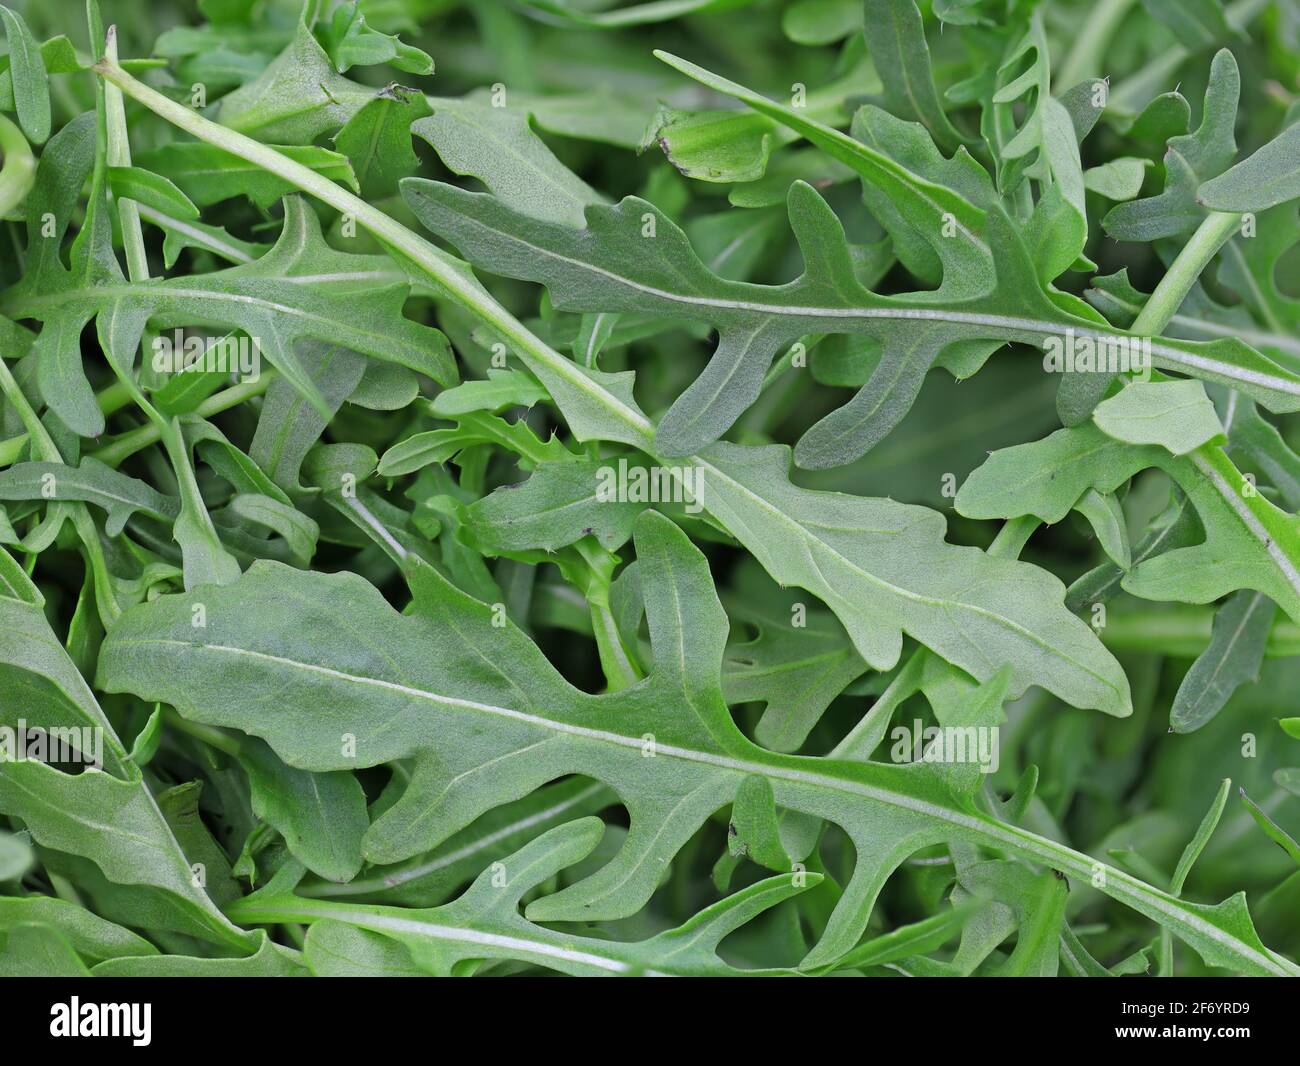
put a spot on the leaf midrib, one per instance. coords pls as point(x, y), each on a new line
point(903, 593)
point(57, 301)
point(1001, 323)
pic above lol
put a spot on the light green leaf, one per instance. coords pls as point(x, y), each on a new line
point(561, 503)
point(107, 815)
point(544, 728)
point(1191, 160)
point(151, 190)
point(93, 938)
point(15, 856)
point(92, 482)
point(485, 922)
point(377, 140)
point(1269, 177)
point(1272, 830)
point(497, 146)
point(1202, 837)
point(1106, 517)
point(269, 960)
point(1177, 415)
point(298, 97)
point(208, 175)
point(30, 84)
point(851, 557)
point(1241, 628)
point(615, 266)
point(1119, 180)
point(501, 389)
point(918, 938)
point(896, 41)
point(38, 951)
point(322, 816)
point(816, 22)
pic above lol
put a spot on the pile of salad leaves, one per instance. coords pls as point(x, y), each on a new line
point(327, 648)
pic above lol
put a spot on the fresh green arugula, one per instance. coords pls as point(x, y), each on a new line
point(434, 539)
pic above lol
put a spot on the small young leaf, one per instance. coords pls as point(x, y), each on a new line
point(1177, 415)
point(1271, 829)
point(31, 89)
point(1241, 628)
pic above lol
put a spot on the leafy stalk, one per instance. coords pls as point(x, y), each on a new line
point(1254, 511)
point(210, 562)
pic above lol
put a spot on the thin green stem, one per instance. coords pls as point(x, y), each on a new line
point(117, 451)
point(119, 155)
point(620, 672)
point(194, 236)
point(1087, 54)
point(863, 738)
point(1163, 303)
point(1183, 631)
point(1013, 536)
point(43, 446)
point(615, 660)
point(210, 735)
point(110, 399)
point(117, 151)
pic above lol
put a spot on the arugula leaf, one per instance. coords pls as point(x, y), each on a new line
point(377, 139)
point(107, 814)
point(542, 733)
point(351, 42)
point(1249, 543)
point(897, 44)
point(1191, 160)
point(615, 265)
point(208, 175)
point(1269, 177)
point(497, 146)
point(1236, 649)
point(1177, 415)
point(647, 649)
point(28, 78)
point(300, 289)
point(485, 923)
